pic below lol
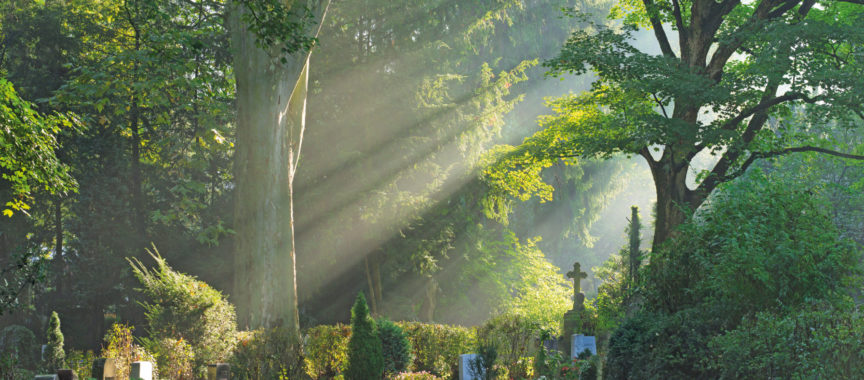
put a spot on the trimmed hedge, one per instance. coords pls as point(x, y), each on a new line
point(435, 348)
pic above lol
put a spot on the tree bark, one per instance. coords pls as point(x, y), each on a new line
point(271, 108)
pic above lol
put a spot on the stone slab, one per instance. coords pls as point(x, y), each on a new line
point(141, 371)
point(219, 371)
point(465, 371)
point(579, 342)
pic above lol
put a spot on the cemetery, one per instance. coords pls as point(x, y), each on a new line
point(431, 189)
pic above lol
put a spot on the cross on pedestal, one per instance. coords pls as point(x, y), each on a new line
point(577, 275)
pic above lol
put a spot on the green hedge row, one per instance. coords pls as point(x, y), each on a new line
point(435, 348)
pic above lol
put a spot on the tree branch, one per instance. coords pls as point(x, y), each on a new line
point(659, 33)
point(759, 155)
point(731, 124)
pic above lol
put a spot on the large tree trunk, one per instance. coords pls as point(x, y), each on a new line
point(271, 106)
point(675, 201)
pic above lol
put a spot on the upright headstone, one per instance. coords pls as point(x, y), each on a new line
point(141, 371)
point(574, 318)
point(66, 374)
point(466, 369)
point(219, 371)
point(103, 369)
point(579, 343)
point(45, 377)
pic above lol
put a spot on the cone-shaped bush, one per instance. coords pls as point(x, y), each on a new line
point(395, 346)
point(365, 360)
point(55, 357)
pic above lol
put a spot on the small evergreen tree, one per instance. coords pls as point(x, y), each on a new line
point(365, 359)
point(55, 356)
point(396, 349)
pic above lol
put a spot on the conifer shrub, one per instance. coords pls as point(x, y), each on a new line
point(183, 308)
point(365, 360)
point(395, 346)
point(55, 357)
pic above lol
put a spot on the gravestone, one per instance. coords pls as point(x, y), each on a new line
point(579, 343)
point(66, 374)
point(466, 372)
point(45, 377)
point(141, 371)
point(574, 319)
point(103, 369)
point(219, 371)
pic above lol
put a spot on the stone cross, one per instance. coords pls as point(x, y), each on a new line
point(577, 275)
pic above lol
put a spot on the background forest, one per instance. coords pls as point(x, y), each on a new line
point(443, 178)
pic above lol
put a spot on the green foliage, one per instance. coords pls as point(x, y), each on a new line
point(81, 362)
point(513, 338)
point(28, 142)
point(365, 360)
point(818, 341)
point(422, 375)
point(278, 25)
point(484, 365)
point(396, 349)
point(540, 293)
point(18, 347)
point(437, 347)
point(327, 350)
point(759, 245)
point(174, 358)
point(185, 309)
point(55, 357)
point(760, 248)
point(268, 354)
point(120, 345)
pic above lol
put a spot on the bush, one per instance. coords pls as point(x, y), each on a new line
point(365, 361)
point(436, 348)
point(268, 354)
point(327, 350)
point(758, 248)
point(395, 347)
point(55, 357)
point(81, 362)
point(514, 338)
point(18, 346)
point(121, 347)
point(416, 376)
point(819, 342)
point(186, 309)
point(174, 357)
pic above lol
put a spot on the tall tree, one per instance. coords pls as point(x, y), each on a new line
point(271, 41)
point(737, 66)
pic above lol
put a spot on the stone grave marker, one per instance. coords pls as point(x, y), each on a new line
point(219, 371)
point(45, 377)
point(579, 343)
point(66, 374)
point(141, 371)
point(465, 370)
point(103, 369)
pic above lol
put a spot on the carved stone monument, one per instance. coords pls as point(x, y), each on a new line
point(103, 369)
point(575, 319)
point(219, 371)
